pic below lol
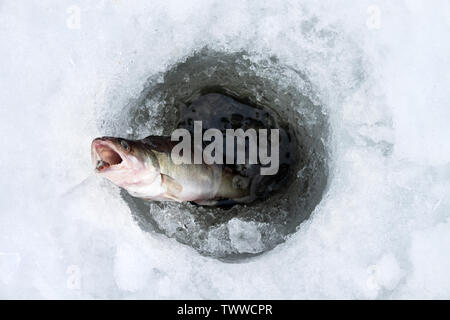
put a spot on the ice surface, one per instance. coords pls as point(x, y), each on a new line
point(381, 70)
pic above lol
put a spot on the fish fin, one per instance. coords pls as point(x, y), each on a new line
point(172, 186)
point(160, 144)
point(205, 202)
point(222, 203)
point(249, 198)
point(246, 199)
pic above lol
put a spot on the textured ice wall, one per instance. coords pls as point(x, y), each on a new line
point(380, 68)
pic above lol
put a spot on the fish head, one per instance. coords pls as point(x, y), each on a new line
point(124, 162)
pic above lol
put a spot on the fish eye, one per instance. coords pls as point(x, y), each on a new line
point(124, 144)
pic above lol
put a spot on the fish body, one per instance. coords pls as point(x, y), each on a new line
point(145, 169)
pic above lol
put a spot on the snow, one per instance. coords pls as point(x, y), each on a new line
point(381, 230)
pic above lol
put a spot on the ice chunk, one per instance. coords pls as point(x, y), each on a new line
point(386, 273)
point(245, 236)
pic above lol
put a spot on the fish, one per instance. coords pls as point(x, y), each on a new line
point(144, 168)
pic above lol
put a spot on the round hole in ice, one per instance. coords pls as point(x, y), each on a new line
point(242, 230)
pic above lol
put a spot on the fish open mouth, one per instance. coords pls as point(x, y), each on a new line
point(106, 156)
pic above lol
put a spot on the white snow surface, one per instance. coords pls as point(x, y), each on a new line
point(381, 69)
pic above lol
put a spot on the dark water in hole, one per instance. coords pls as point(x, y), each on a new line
point(219, 111)
point(263, 83)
